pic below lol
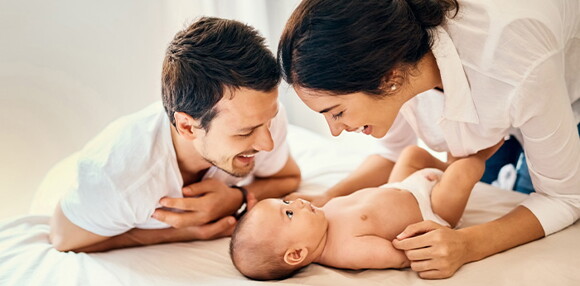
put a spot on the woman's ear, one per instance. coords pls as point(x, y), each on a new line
point(295, 256)
point(393, 81)
point(185, 124)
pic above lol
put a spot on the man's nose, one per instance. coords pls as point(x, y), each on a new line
point(264, 141)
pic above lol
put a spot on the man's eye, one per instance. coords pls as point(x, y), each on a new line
point(337, 116)
point(290, 214)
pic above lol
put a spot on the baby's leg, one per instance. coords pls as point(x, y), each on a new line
point(449, 197)
point(412, 159)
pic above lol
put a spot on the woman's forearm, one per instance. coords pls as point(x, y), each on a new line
point(518, 227)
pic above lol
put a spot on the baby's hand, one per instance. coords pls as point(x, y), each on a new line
point(317, 200)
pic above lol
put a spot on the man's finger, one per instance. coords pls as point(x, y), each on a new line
point(194, 190)
point(186, 204)
point(251, 200)
point(418, 228)
point(220, 228)
point(178, 220)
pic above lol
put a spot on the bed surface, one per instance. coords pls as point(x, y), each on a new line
point(26, 257)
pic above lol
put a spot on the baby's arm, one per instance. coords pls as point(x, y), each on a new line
point(370, 252)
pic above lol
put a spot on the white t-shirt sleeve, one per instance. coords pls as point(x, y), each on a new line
point(399, 136)
point(270, 163)
point(542, 112)
point(94, 204)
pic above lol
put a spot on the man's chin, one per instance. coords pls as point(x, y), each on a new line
point(238, 172)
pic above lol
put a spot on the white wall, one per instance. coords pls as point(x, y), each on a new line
point(69, 67)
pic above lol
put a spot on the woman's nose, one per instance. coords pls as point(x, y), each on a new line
point(335, 127)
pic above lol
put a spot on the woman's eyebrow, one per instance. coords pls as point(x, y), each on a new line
point(328, 109)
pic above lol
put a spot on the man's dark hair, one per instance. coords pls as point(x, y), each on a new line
point(208, 57)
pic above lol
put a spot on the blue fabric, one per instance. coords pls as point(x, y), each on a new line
point(511, 152)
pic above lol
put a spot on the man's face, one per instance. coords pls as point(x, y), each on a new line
point(295, 223)
point(239, 131)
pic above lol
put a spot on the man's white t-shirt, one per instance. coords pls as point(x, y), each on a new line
point(121, 174)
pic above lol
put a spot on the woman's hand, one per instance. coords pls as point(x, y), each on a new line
point(317, 200)
point(435, 251)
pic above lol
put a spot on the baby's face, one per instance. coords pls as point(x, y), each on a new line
point(294, 222)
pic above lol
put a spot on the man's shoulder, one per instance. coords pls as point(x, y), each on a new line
point(131, 144)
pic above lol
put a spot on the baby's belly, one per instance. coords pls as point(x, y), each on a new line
point(385, 213)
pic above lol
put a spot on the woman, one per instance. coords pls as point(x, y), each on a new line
point(460, 76)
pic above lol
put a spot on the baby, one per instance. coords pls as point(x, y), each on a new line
point(277, 238)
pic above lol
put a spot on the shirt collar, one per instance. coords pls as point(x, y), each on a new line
point(459, 104)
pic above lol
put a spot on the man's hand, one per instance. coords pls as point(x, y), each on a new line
point(317, 200)
point(203, 202)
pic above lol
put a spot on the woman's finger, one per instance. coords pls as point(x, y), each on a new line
point(418, 228)
point(419, 254)
point(421, 266)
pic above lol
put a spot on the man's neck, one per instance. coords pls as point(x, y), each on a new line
point(192, 165)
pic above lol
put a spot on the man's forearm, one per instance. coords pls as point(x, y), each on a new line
point(274, 187)
point(137, 237)
point(518, 227)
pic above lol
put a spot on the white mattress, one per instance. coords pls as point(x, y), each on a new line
point(26, 257)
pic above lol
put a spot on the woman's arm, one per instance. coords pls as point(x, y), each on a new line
point(552, 147)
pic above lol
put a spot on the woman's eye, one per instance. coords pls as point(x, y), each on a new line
point(247, 134)
point(337, 116)
point(290, 214)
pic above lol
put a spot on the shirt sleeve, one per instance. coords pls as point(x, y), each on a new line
point(270, 163)
point(399, 136)
point(94, 204)
point(543, 112)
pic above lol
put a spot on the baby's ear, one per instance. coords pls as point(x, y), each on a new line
point(295, 256)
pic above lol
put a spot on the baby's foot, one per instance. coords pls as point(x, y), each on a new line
point(433, 177)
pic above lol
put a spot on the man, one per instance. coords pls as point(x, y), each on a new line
point(181, 164)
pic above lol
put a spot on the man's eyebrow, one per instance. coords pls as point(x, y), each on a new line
point(328, 109)
point(248, 129)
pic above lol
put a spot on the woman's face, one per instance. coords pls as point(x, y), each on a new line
point(354, 112)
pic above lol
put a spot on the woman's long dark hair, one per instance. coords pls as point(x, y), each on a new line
point(346, 46)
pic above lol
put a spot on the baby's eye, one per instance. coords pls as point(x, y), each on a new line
point(290, 214)
point(286, 202)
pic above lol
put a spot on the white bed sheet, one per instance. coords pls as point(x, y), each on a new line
point(26, 257)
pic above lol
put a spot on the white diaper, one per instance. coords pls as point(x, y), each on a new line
point(418, 185)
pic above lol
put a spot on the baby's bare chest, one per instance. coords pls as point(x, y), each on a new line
point(384, 215)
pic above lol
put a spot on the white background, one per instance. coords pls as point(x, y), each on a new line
point(70, 67)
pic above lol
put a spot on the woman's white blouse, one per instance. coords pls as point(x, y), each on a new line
point(508, 67)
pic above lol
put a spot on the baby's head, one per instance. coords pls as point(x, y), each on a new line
point(277, 238)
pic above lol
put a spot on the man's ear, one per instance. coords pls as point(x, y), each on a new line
point(295, 256)
point(185, 124)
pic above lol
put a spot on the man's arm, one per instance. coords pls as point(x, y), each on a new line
point(65, 235)
point(278, 185)
point(210, 200)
